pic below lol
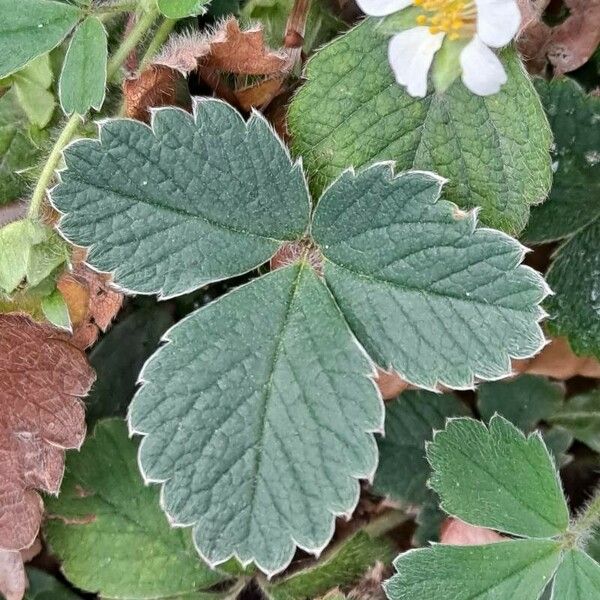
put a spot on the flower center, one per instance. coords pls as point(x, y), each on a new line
point(456, 18)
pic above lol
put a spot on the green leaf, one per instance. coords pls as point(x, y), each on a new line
point(496, 477)
point(178, 9)
point(343, 565)
point(573, 212)
point(118, 358)
point(503, 571)
point(574, 201)
point(107, 528)
point(410, 421)
point(82, 82)
point(429, 522)
point(577, 578)
point(581, 416)
point(17, 149)
point(30, 252)
point(413, 275)
point(277, 441)
point(45, 587)
point(494, 150)
point(31, 86)
point(524, 401)
point(205, 197)
point(30, 28)
point(55, 309)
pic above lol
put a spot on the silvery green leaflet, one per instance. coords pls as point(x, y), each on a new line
point(258, 414)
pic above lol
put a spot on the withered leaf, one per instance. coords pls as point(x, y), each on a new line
point(42, 378)
point(566, 46)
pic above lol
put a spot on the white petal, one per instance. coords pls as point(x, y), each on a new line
point(380, 8)
point(410, 54)
point(482, 71)
point(497, 21)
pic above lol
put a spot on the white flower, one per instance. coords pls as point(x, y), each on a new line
point(482, 24)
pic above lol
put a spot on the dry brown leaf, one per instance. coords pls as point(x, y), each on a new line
point(455, 532)
point(259, 95)
point(42, 379)
point(557, 360)
point(155, 86)
point(566, 46)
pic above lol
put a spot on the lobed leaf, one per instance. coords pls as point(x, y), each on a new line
point(205, 197)
point(257, 418)
point(496, 477)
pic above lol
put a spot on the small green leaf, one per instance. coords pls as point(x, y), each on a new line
point(581, 416)
point(278, 441)
point(342, 565)
point(206, 197)
point(513, 570)
point(178, 9)
point(82, 82)
point(107, 528)
point(56, 311)
point(45, 587)
point(493, 150)
point(577, 578)
point(524, 401)
point(410, 421)
point(17, 149)
point(412, 275)
point(31, 86)
point(30, 252)
point(496, 477)
point(32, 27)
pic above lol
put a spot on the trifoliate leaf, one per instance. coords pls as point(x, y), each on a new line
point(423, 289)
point(107, 528)
point(343, 565)
point(496, 477)
point(17, 148)
point(205, 197)
point(257, 445)
point(410, 421)
point(32, 89)
point(573, 212)
point(580, 415)
point(30, 28)
point(83, 77)
point(577, 578)
point(178, 9)
point(45, 587)
point(524, 401)
point(502, 571)
point(494, 150)
point(30, 252)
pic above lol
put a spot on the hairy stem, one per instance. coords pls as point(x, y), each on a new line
point(588, 519)
point(161, 35)
point(70, 129)
point(385, 522)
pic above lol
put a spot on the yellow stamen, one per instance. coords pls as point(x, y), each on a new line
point(458, 18)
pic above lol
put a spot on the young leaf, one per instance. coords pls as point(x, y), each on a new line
point(496, 477)
point(577, 578)
point(55, 309)
point(410, 421)
point(425, 292)
point(32, 89)
point(581, 416)
point(30, 28)
point(83, 78)
point(205, 197)
point(573, 213)
point(178, 9)
point(42, 377)
point(494, 150)
point(45, 587)
point(511, 570)
point(342, 566)
point(278, 441)
point(524, 401)
point(109, 532)
point(17, 148)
